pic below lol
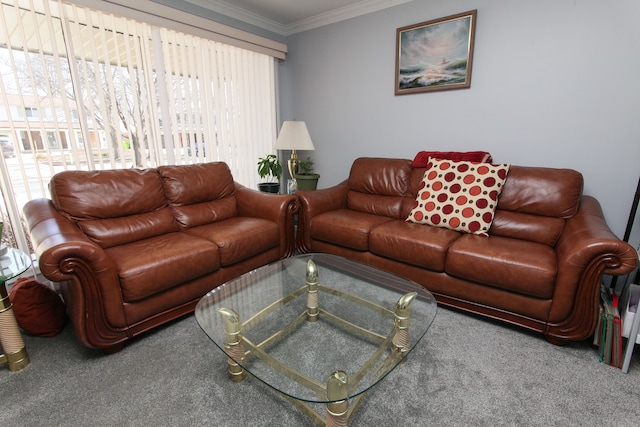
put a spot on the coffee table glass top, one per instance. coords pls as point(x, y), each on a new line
point(13, 263)
point(293, 324)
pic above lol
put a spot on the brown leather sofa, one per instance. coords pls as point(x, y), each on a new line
point(134, 249)
point(541, 266)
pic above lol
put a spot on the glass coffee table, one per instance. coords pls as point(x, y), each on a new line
point(317, 328)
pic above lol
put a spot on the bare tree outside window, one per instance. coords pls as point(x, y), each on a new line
point(84, 90)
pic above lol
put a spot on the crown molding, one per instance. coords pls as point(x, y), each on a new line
point(169, 17)
point(341, 14)
point(240, 14)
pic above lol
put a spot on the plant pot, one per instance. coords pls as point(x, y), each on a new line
point(269, 187)
point(307, 182)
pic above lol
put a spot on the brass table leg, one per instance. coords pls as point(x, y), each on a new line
point(312, 292)
point(233, 343)
point(337, 392)
point(400, 341)
point(15, 353)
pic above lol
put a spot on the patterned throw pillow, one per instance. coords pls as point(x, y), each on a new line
point(460, 196)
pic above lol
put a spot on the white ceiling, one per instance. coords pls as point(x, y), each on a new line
point(288, 17)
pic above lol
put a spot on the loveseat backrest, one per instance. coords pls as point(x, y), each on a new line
point(378, 186)
point(199, 194)
point(113, 207)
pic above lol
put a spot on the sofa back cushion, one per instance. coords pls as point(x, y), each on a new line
point(113, 207)
point(199, 194)
point(378, 186)
point(535, 203)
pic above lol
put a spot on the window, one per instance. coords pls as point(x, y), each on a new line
point(118, 93)
point(31, 112)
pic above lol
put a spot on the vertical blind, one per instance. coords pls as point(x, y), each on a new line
point(86, 90)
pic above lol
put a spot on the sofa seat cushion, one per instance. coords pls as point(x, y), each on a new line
point(516, 265)
point(239, 238)
point(150, 266)
point(344, 227)
point(414, 244)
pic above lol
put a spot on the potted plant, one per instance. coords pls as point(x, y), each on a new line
point(307, 180)
point(270, 169)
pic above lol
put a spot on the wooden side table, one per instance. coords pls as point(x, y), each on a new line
point(13, 263)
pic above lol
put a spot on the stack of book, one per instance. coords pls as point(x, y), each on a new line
point(608, 336)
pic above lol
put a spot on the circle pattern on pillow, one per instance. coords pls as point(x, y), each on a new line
point(460, 196)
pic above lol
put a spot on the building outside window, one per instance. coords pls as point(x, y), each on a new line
point(86, 90)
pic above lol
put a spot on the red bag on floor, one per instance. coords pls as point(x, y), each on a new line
point(38, 309)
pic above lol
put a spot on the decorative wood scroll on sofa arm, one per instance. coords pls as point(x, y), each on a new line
point(67, 256)
point(586, 250)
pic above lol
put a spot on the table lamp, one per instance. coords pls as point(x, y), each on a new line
point(294, 136)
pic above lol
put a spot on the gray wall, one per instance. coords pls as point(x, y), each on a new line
point(555, 83)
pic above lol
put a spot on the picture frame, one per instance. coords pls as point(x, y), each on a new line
point(435, 55)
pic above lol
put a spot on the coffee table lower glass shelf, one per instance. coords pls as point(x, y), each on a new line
point(317, 328)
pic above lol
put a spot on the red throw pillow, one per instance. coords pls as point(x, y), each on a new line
point(422, 158)
point(38, 308)
point(461, 196)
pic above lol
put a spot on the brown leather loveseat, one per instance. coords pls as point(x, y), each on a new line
point(134, 249)
point(540, 266)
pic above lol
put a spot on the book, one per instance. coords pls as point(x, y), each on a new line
point(608, 334)
point(616, 341)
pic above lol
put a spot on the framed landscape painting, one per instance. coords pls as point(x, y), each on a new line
point(435, 55)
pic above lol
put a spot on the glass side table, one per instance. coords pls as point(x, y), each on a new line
point(13, 263)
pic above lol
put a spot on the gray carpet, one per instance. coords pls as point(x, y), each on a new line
point(466, 372)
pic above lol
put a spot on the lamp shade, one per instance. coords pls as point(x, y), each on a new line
point(294, 136)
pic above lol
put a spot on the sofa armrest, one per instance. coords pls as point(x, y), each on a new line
point(312, 204)
point(586, 250)
point(279, 208)
point(57, 242)
point(87, 277)
point(587, 238)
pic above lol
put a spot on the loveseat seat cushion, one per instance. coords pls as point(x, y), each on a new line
point(345, 227)
point(199, 194)
point(150, 266)
point(414, 244)
point(516, 265)
point(239, 238)
point(113, 207)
